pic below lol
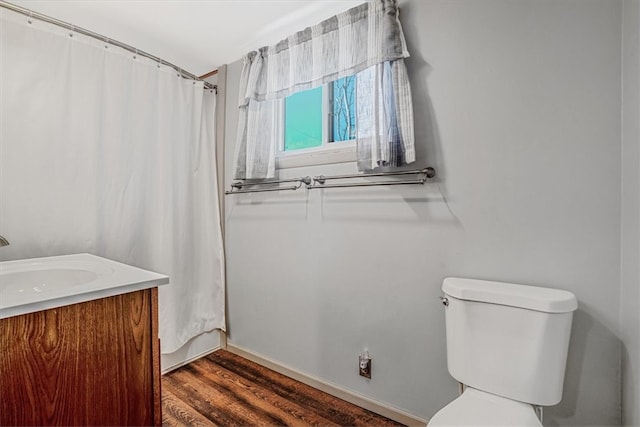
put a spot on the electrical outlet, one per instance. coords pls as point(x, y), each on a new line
point(364, 365)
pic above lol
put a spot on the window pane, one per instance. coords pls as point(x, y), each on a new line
point(303, 120)
point(344, 109)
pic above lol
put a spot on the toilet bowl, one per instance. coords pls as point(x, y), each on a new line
point(479, 408)
point(508, 345)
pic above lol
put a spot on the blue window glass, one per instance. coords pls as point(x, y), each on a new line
point(303, 120)
point(344, 109)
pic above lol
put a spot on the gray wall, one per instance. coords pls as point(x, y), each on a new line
point(630, 291)
point(518, 106)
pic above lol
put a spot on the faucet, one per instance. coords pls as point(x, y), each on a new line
point(3, 242)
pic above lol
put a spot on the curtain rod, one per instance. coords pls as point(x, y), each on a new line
point(35, 15)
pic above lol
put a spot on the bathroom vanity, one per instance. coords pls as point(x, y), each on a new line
point(79, 342)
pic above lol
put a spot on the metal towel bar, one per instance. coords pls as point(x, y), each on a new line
point(428, 172)
point(366, 184)
point(237, 187)
point(262, 190)
point(318, 182)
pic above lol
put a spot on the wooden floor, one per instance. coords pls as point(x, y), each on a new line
point(224, 389)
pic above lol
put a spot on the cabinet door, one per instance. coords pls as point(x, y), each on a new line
point(82, 364)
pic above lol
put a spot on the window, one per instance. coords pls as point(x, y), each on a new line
point(303, 120)
point(343, 114)
point(320, 125)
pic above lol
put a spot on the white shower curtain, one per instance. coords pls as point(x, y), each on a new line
point(108, 153)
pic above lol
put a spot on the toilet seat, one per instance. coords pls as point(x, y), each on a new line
point(478, 408)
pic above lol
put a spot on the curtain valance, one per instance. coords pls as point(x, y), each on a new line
point(340, 46)
point(366, 41)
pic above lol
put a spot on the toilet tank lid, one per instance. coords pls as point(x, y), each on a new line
point(531, 297)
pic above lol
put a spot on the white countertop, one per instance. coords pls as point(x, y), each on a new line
point(36, 284)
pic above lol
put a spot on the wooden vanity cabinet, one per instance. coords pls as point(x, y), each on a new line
point(92, 363)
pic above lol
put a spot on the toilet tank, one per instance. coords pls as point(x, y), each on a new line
point(506, 339)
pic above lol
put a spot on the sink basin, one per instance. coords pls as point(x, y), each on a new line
point(41, 283)
point(46, 280)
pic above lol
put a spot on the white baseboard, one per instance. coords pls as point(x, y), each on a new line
point(223, 339)
point(332, 389)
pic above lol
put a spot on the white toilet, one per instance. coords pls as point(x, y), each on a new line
point(508, 345)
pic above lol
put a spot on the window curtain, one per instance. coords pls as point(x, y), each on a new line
point(366, 40)
point(114, 155)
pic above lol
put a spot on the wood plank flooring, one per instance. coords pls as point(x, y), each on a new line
point(224, 389)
